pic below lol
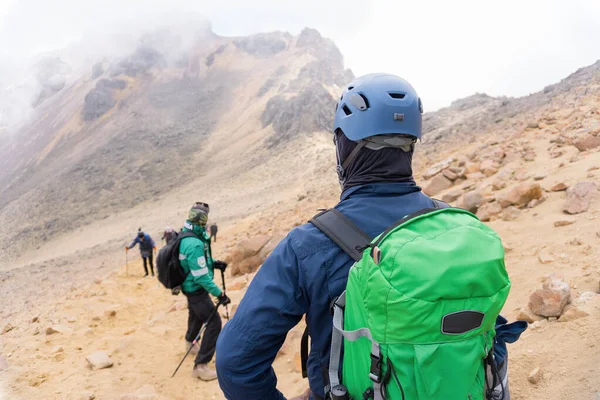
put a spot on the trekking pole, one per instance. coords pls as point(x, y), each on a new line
point(126, 264)
point(226, 306)
point(197, 338)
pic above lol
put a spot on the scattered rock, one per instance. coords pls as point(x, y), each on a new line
point(571, 313)
point(551, 300)
point(3, 364)
point(564, 222)
point(471, 201)
point(471, 168)
point(556, 153)
point(451, 196)
point(57, 349)
point(559, 187)
point(87, 395)
point(7, 328)
point(575, 242)
point(545, 256)
point(522, 194)
point(525, 314)
point(437, 168)
point(539, 176)
point(436, 185)
point(579, 197)
point(35, 319)
point(510, 213)
point(51, 330)
point(99, 360)
point(489, 211)
point(475, 176)
point(587, 143)
point(535, 202)
point(488, 167)
point(110, 313)
point(498, 184)
point(71, 319)
point(535, 376)
point(449, 174)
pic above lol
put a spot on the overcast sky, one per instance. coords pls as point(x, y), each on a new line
point(446, 49)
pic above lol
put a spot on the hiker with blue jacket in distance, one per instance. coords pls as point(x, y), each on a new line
point(147, 247)
point(374, 136)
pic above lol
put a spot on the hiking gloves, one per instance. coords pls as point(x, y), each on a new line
point(220, 265)
point(223, 299)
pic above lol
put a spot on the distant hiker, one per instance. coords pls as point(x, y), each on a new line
point(377, 124)
point(168, 235)
point(213, 231)
point(196, 261)
point(146, 250)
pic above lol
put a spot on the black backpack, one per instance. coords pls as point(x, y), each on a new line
point(170, 273)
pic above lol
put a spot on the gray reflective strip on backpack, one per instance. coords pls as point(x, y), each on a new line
point(337, 337)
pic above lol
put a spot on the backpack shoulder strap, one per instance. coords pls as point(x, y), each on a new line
point(337, 227)
point(342, 231)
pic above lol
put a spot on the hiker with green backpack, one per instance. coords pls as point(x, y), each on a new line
point(186, 265)
point(401, 293)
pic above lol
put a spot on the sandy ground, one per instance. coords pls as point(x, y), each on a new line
point(145, 336)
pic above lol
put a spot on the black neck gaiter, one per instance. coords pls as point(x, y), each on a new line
point(373, 166)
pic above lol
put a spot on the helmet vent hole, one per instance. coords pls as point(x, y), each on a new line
point(397, 95)
point(346, 110)
point(350, 87)
point(365, 99)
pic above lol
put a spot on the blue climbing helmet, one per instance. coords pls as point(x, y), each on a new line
point(379, 104)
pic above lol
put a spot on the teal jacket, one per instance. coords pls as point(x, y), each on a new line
point(195, 256)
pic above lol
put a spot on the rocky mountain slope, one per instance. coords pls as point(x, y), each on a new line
point(135, 128)
point(527, 166)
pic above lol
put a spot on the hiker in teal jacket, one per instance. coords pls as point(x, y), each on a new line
point(196, 261)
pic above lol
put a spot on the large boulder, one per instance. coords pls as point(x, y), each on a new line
point(587, 143)
point(579, 197)
point(471, 201)
point(251, 253)
point(551, 299)
point(521, 195)
point(488, 211)
point(452, 195)
point(436, 185)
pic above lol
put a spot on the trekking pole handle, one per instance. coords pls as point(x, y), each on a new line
point(226, 306)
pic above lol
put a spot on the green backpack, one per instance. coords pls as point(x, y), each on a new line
point(417, 318)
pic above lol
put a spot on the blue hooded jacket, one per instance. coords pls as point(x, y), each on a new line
point(302, 276)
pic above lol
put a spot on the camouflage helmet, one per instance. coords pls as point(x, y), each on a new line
point(199, 213)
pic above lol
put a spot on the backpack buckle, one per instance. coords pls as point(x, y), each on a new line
point(375, 372)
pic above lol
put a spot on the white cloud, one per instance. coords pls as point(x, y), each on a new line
point(447, 49)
